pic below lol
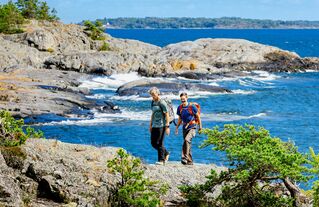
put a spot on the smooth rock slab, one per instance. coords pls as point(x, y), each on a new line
point(141, 88)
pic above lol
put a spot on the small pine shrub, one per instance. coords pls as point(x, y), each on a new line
point(95, 31)
point(12, 133)
point(105, 47)
point(134, 189)
point(259, 165)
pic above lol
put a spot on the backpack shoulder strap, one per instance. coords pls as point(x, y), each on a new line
point(180, 108)
point(161, 105)
point(190, 109)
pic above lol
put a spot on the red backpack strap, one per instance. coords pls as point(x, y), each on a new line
point(180, 108)
point(190, 109)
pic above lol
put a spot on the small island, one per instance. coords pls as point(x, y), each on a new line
point(205, 23)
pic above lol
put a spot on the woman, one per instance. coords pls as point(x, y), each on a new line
point(159, 125)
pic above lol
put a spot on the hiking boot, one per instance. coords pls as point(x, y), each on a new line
point(184, 162)
point(160, 163)
point(189, 163)
point(166, 157)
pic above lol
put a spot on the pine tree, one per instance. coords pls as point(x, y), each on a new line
point(10, 18)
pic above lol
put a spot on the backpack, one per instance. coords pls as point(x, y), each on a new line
point(190, 110)
point(170, 109)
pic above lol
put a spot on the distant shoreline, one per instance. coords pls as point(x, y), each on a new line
point(204, 23)
point(212, 28)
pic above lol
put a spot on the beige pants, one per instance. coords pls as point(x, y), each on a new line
point(188, 135)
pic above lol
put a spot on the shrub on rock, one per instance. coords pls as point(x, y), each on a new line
point(12, 133)
point(133, 189)
point(263, 170)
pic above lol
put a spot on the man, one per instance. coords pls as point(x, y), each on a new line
point(188, 114)
point(159, 125)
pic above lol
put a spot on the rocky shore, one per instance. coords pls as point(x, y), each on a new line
point(41, 72)
point(41, 69)
point(51, 173)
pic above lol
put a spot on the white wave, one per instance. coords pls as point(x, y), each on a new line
point(100, 118)
point(239, 91)
point(311, 71)
point(111, 82)
point(213, 84)
point(229, 117)
point(82, 122)
point(98, 96)
point(264, 75)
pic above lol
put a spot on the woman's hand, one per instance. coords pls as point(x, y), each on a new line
point(167, 131)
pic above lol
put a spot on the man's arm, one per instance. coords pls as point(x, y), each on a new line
point(167, 123)
point(151, 123)
point(199, 121)
point(179, 122)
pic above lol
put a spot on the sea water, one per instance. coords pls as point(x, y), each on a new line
point(286, 104)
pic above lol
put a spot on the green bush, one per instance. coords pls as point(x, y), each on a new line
point(10, 19)
point(105, 47)
point(262, 169)
point(12, 133)
point(133, 189)
point(315, 169)
point(95, 30)
point(13, 15)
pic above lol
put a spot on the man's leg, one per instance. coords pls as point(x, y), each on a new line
point(155, 135)
point(162, 152)
point(186, 153)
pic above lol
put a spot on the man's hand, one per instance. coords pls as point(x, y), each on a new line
point(199, 130)
point(176, 131)
point(150, 129)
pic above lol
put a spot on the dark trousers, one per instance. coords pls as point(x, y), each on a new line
point(157, 140)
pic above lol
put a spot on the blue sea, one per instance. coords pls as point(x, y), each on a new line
point(287, 104)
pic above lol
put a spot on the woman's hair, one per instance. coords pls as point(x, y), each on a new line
point(154, 90)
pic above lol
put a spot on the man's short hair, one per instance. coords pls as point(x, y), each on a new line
point(154, 89)
point(183, 94)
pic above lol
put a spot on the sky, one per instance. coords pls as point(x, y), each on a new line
point(74, 11)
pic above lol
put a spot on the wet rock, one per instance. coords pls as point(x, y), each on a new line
point(141, 88)
point(109, 107)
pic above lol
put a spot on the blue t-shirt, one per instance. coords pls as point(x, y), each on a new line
point(186, 116)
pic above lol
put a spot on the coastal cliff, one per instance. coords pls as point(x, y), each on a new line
point(52, 173)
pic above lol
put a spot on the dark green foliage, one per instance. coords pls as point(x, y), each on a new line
point(10, 19)
point(95, 30)
point(262, 169)
point(35, 9)
point(315, 170)
point(12, 133)
point(12, 16)
point(133, 189)
point(187, 22)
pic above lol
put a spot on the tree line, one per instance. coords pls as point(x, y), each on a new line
point(211, 23)
point(14, 14)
